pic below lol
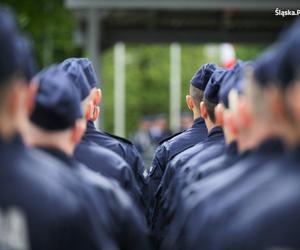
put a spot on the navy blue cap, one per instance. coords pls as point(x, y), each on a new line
point(288, 62)
point(57, 104)
point(88, 70)
point(77, 75)
point(280, 63)
point(263, 67)
point(202, 76)
point(234, 79)
point(9, 64)
point(212, 89)
point(26, 58)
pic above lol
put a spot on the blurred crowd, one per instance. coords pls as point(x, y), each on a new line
point(152, 129)
point(230, 179)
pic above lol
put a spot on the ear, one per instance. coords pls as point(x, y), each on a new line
point(30, 98)
point(219, 113)
point(89, 111)
point(78, 131)
point(96, 96)
point(189, 102)
point(292, 94)
point(203, 110)
point(96, 113)
point(231, 123)
point(245, 116)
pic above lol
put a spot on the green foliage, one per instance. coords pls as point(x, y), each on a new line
point(147, 78)
point(50, 25)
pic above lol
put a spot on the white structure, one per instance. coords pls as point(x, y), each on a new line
point(119, 89)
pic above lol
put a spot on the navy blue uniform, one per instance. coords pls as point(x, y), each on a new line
point(113, 208)
point(274, 223)
point(163, 213)
point(216, 136)
point(212, 149)
point(166, 204)
point(122, 147)
point(40, 200)
point(109, 164)
point(212, 202)
point(191, 180)
point(167, 150)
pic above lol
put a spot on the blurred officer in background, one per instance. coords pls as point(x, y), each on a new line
point(274, 223)
point(57, 126)
point(121, 146)
point(158, 129)
point(142, 140)
point(178, 143)
point(210, 148)
point(38, 205)
point(94, 156)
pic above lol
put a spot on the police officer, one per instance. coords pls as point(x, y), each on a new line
point(38, 208)
point(57, 126)
point(121, 146)
point(210, 148)
point(178, 143)
point(97, 157)
point(222, 115)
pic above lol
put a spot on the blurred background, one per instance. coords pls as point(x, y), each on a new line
point(146, 51)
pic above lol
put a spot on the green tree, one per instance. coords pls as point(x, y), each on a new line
point(50, 25)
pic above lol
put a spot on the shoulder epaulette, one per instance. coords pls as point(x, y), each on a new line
point(170, 137)
point(119, 138)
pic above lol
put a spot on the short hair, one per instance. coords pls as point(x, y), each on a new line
point(210, 107)
point(197, 95)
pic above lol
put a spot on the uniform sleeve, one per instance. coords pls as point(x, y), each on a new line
point(155, 175)
point(130, 184)
point(131, 228)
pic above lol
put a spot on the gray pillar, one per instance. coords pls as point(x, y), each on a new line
point(175, 86)
point(119, 89)
point(93, 44)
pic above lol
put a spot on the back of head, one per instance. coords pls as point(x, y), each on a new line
point(76, 73)
point(57, 105)
point(9, 63)
point(199, 81)
point(211, 93)
point(87, 69)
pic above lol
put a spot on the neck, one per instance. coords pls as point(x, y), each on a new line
point(37, 137)
point(257, 134)
point(7, 127)
point(209, 125)
point(196, 114)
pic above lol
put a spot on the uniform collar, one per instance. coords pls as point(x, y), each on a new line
point(295, 152)
point(232, 148)
point(270, 146)
point(16, 140)
point(215, 131)
point(198, 122)
point(58, 154)
point(90, 126)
